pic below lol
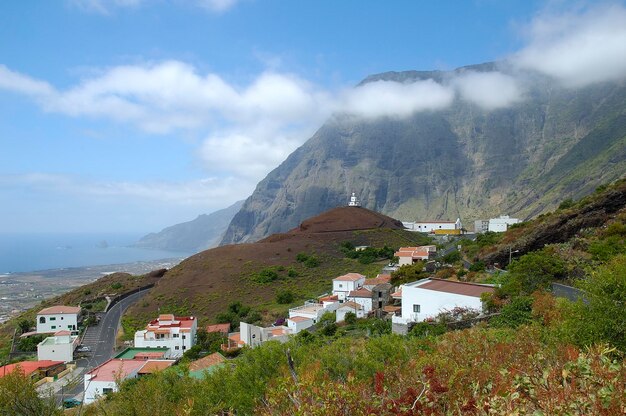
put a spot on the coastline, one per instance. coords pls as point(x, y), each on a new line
point(20, 291)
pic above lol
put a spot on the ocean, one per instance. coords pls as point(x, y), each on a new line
point(33, 252)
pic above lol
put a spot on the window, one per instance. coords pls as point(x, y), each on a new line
point(53, 327)
point(53, 318)
point(340, 285)
point(184, 348)
point(42, 320)
point(177, 347)
point(107, 390)
point(416, 308)
point(175, 335)
point(184, 337)
point(61, 318)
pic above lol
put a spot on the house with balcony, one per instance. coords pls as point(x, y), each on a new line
point(410, 255)
point(427, 298)
point(177, 333)
point(349, 306)
point(58, 318)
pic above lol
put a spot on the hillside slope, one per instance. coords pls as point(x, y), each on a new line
point(462, 161)
point(207, 282)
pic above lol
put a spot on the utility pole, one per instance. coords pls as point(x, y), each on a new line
point(511, 254)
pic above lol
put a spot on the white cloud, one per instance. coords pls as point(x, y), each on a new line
point(394, 99)
point(489, 90)
point(578, 48)
point(16, 82)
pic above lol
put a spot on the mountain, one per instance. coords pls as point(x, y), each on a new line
point(461, 161)
point(204, 232)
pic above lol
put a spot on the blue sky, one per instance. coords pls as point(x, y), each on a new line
point(131, 115)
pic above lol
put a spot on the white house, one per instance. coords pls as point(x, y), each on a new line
point(309, 310)
point(427, 298)
point(432, 226)
point(104, 379)
point(497, 225)
point(178, 333)
point(362, 297)
point(330, 303)
point(60, 347)
point(345, 284)
point(346, 307)
point(57, 318)
point(354, 201)
point(410, 255)
point(253, 335)
point(299, 323)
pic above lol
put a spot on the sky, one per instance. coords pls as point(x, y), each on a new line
point(133, 115)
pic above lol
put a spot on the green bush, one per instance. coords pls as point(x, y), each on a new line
point(266, 276)
point(292, 272)
point(350, 318)
point(452, 257)
point(302, 257)
point(533, 271)
point(427, 329)
point(311, 262)
point(479, 266)
point(116, 285)
point(284, 297)
point(517, 312)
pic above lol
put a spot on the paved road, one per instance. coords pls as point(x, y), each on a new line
point(101, 339)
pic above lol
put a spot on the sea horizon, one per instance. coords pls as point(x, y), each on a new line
point(33, 252)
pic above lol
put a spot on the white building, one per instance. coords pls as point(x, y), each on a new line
point(310, 310)
point(354, 202)
point(432, 226)
point(410, 255)
point(169, 331)
point(299, 323)
point(362, 297)
point(60, 347)
point(253, 335)
point(497, 225)
point(345, 284)
point(104, 379)
point(346, 307)
point(427, 298)
point(58, 318)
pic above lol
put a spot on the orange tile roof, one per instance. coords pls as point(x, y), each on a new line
point(392, 308)
point(58, 309)
point(398, 294)
point(64, 332)
point(299, 319)
point(418, 252)
point(155, 365)
point(360, 293)
point(28, 367)
point(223, 328)
point(177, 322)
point(206, 362)
point(149, 355)
point(330, 298)
point(381, 278)
point(351, 305)
point(279, 331)
point(349, 277)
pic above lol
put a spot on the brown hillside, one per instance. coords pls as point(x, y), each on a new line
point(207, 282)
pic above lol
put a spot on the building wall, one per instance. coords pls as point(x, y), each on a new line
point(299, 326)
point(56, 352)
point(177, 342)
point(343, 287)
point(366, 303)
point(427, 227)
point(341, 313)
point(432, 303)
point(57, 322)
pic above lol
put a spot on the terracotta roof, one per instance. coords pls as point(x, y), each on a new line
point(458, 288)
point(61, 333)
point(360, 293)
point(280, 331)
point(398, 294)
point(149, 355)
point(206, 362)
point(176, 322)
point(28, 367)
point(155, 365)
point(299, 319)
point(349, 277)
point(392, 308)
point(58, 309)
point(223, 328)
point(381, 278)
point(351, 305)
point(115, 368)
point(330, 298)
point(418, 252)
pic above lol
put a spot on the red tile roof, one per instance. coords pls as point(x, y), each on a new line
point(58, 309)
point(349, 277)
point(398, 294)
point(176, 322)
point(61, 333)
point(380, 279)
point(28, 367)
point(458, 288)
point(154, 366)
point(330, 298)
point(115, 368)
point(419, 252)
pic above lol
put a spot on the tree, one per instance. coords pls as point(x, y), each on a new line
point(408, 273)
point(533, 271)
point(350, 318)
point(19, 397)
point(284, 296)
point(25, 325)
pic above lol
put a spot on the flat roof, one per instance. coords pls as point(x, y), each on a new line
point(349, 277)
point(28, 367)
point(115, 369)
point(59, 309)
point(129, 353)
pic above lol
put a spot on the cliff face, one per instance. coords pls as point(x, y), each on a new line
point(204, 232)
point(459, 162)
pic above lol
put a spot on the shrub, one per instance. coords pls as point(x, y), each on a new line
point(517, 312)
point(445, 273)
point(301, 257)
point(266, 276)
point(427, 329)
point(408, 273)
point(116, 285)
point(533, 271)
point(292, 272)
point(350, 318)
point(284, 297)
point(452, 257)
point(479, 266)
point(568, 203)
point(311, 262)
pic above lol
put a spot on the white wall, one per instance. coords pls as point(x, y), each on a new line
point(427, 227)
point(61, 351)
point(299, 326)
point(57, 322)
point(432, 303)
point(341, 288)
point(366, 303)
point(177, 342)
point(341, 313)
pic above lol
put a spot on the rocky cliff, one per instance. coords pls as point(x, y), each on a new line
point(461, 161)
